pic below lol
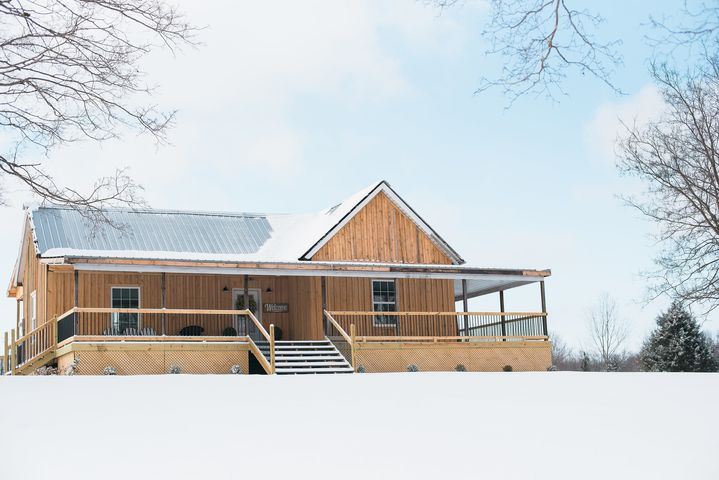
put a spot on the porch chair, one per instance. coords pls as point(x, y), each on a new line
point(147, 332)
point(192, 331)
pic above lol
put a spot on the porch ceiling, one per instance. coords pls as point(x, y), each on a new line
point(479, 286)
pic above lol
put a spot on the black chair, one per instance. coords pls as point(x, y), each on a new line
point(192, 331)
point(229, 332)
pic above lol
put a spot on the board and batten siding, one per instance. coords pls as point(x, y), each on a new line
point(303, 295)
point(381, 232)
point(413, 295)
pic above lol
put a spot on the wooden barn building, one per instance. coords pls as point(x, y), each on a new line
point(364, 286)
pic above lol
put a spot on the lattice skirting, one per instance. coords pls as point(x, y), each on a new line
point(92, 359)
point(444, 357)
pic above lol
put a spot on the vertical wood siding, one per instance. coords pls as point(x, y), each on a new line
point(413, 295)
point(381, 232)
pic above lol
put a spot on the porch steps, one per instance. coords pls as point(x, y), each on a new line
point(307, 357)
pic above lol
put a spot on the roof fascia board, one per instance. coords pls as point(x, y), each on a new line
point(19, 267)
point(384, 187)
point(305, 272)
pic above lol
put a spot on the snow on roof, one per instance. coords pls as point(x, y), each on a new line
point(198, 236)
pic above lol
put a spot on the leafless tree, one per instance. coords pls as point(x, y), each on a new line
point(607, 330)
point(696, 24)
point(541, 42)
point(562, 354)
point(69, 71)
point(677, 156)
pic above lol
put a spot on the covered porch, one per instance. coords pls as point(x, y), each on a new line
point(380, 317)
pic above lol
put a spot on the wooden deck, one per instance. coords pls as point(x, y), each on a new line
point(147, 340)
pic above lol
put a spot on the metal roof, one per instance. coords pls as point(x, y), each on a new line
point(158, 231)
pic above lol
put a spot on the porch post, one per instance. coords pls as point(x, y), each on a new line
point(76, 296)
point(13, 352)
point(465, 307)
point(163, 281)
point(246, 299)
point(544, 308)
point(246, 302)
point(502, 318)
point(323, 287)
point(6, 358)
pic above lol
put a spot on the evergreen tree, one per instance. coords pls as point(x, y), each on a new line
point(584, 364)
point(677, 344)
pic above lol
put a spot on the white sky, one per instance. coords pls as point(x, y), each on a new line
point(292, 106)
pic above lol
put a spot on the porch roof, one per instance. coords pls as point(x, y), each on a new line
point(479, 280)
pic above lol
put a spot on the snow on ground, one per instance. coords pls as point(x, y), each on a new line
point(408, 425)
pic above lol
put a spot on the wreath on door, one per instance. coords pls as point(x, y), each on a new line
point(240, 303)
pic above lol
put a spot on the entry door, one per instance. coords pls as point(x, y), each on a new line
point(244, 325)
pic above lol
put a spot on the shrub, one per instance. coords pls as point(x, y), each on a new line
point(49, 370)
point(72, 368)
point(507, 368)
point(109, 370)
point(412, 368)
point(460, 368)
point(174, 369)
point(236, 370)
point(552, 368)
point(361, 369)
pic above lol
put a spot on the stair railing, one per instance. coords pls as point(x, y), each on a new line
point(272, 349)
point(350, 339)
point(269, 366)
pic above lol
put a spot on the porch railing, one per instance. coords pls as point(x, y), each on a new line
point(160, 323)
point(107, 324)
point(36, 343)
point(463, 325)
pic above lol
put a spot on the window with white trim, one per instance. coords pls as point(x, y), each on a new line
point(33, 310)
point(384, 299)
point(125, 297)
point(21, 325)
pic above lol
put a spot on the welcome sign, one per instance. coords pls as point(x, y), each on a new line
point(277, 307)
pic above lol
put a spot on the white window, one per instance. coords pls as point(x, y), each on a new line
point(33, 310)
point(21, 326)
point(384, 299)
point(125, 297)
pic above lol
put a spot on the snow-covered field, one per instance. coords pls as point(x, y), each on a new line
point(417, 425)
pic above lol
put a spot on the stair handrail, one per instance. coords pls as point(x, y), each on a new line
point(338, 327)
point(270, 337)
point(350, 339)
point(272, 348)
point(256, 322)
point(259, 356)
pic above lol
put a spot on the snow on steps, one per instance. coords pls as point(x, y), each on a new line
point(307, 357)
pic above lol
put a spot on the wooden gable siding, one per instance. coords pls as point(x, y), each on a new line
point(381, 232)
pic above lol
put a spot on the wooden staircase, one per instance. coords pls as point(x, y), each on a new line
point(307, 357)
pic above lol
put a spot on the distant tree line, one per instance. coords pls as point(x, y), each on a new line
point(677, 344)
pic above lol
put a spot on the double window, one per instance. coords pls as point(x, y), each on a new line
point(384, 299)
point(125, 297)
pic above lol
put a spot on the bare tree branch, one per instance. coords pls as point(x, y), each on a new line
point(68, 72)
point(677, 156)
point(607, 330)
